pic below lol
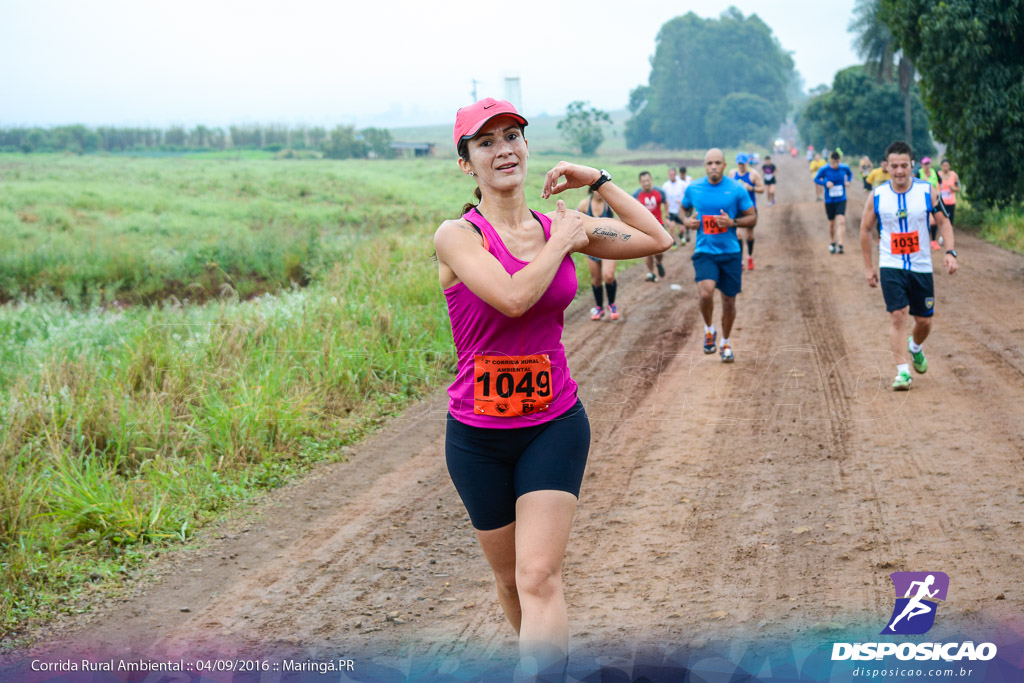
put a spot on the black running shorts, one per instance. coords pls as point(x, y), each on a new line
point(491, 468)
point(950, 210)
point(902, 288)
point(835, 209)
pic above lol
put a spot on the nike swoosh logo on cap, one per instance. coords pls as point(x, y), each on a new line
point(489, 106)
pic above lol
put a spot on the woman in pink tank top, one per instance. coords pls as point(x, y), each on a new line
point(518, 436)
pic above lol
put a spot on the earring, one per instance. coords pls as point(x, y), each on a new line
point(471, 173)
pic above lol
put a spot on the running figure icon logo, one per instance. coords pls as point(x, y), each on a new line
point(914, 613)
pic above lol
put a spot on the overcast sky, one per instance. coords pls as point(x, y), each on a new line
point(383, 62)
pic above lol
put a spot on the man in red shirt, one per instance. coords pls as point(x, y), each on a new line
point(652, 198)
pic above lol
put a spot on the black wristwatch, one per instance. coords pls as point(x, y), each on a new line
point(951, 252)
point(605, 177)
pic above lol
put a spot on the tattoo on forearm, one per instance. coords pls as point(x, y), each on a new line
point(610, 233)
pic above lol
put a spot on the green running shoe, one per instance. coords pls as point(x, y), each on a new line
point(920, 362)
point(902, 382)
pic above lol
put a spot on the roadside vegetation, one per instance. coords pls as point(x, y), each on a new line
point(1003, 226)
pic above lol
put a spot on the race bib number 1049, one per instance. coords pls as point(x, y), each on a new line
point(511, 386)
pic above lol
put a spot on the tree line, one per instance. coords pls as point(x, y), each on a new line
point(970, 55)
point(870, 105)
point(952, 69)
point(343, 142)
point(862, 114)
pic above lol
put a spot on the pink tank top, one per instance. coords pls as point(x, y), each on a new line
point(489, 343)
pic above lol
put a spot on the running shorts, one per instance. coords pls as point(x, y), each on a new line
point(835, 209)
point(593, 258)
point(674, 217)
point(769, 181)
point(491, 468)
point(725, 269)
point(902, 288)
point(950, 209)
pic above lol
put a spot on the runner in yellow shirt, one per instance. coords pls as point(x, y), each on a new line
point(878, 175)
point(819, 190)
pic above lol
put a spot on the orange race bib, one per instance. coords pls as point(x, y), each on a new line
point(710, 225)
point(905, 243)
point(511, 386)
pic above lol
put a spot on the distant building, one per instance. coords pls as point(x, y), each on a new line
point(514, 92)
point(413, 149)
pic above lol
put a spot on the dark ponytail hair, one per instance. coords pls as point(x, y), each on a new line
point(469, 206)
point(464, 154)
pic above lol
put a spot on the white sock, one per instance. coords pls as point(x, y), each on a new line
point(725, 342)
point(709, 330)
point(914, 346)
point(904, 368)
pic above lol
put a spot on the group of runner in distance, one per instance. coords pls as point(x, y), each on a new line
point(517, 435)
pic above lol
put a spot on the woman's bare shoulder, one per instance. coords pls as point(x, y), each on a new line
point(455, 229)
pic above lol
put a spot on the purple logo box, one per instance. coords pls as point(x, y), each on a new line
point(901, 582)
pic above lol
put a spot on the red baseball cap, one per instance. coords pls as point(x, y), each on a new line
point(469, 120)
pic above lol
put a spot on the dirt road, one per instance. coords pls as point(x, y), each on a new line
point(769, 498)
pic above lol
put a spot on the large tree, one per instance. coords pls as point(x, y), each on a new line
point(873, 40)
point(697, 62)
point(876, 45)
point(862, 116)
point(970, 54)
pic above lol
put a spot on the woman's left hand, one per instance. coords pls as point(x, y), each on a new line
point(574, 174)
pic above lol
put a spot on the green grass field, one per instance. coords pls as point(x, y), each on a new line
point(182, 332)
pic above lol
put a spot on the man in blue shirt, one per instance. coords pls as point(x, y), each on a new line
point(834, 178)
point(719, 205)
point(750, 179)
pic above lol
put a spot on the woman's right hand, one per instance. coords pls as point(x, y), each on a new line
point(575, 176)
point(567, 229)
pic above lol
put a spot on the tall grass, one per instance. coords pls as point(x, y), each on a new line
point(124, 428)
point(1003, 226)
